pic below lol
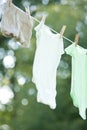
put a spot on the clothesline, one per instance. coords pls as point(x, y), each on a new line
point(52, 29)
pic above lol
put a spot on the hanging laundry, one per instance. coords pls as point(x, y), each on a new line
point(2, 2)
point(79, 77)
point(49, 48)
point(16, 23)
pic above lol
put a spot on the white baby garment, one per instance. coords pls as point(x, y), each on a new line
point(79, 77)
point(17, 24)
point(49, 48)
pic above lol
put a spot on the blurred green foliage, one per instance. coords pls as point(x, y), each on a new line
point(23, 112)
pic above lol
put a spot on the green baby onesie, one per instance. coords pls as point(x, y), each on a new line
point(79, 77)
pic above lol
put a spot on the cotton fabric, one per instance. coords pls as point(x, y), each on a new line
point(49, 48)
point(79, 77)
point(17, 24)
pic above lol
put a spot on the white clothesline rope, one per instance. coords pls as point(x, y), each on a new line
point(52, 30)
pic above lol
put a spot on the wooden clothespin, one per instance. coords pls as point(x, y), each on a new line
point(27, 10)
point(62, 30)
point(9, 2)
point(44, 18)
point(76, 39)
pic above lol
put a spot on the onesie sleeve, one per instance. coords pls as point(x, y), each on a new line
point(70, 50)
point(38, 27)
point(62, 46)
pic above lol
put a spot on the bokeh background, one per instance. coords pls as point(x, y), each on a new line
point(19, 109)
